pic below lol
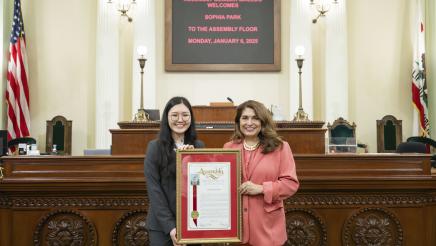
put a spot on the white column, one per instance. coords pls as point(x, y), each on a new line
point(4, 59)
point(336, 63)
point(300, 34)
point(107, 99)
point(144, 33)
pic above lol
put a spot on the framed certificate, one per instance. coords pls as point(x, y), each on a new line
point(208, 201)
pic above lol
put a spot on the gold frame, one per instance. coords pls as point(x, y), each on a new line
point(179, 169)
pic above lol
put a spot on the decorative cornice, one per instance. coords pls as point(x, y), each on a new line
point(52, 202)
point(138, 125)
point(300, 199)
point(224, 124)
point(384, 199)
point(300, 124)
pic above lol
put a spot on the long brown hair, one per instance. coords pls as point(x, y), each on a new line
point(269, 139)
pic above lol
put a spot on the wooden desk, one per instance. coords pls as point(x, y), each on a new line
point(215, 113)
point(343, 200)
point(135, 141)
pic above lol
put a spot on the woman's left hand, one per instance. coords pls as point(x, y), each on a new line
point(249, 188)
point(186, 146)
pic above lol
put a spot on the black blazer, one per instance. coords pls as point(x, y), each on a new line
point(161, 188)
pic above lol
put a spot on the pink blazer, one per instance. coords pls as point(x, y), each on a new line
point(264, 220)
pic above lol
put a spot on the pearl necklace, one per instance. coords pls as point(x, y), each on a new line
point(251, 147)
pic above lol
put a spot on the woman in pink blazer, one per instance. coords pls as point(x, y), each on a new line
point(269, 175)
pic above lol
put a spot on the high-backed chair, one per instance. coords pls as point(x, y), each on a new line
point(341, 132)
point(389, 134)
point(59, 133)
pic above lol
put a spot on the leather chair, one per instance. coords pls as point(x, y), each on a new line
point(13, 144)
point(424, 140)
point(411, 147)
point(428, 142)
point(26, 140)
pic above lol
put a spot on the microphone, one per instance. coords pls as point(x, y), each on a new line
point(229, 99)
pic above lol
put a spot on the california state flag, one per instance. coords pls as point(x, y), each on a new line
point(421, 124)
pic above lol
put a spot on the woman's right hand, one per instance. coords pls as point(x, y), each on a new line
point(249, 188)
point(174, 237)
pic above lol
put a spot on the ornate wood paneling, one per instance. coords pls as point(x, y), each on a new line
point(373, 226)
point(65, 227)
point(305, 228)
point(130, 230)
point(4, 201)
point(343, 200)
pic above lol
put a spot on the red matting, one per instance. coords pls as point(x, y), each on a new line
point(209, 234)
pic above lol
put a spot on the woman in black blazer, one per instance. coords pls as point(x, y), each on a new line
point(177, 131)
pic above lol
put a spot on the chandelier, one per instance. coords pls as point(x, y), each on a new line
point(322, 7)
point(123, 6)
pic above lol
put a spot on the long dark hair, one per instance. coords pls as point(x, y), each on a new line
point(269, 139)
point(165, 138)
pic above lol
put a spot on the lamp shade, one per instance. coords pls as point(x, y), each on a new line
point(142, 50)
point(299, 50)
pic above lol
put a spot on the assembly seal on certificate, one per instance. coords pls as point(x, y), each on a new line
point(208, 201)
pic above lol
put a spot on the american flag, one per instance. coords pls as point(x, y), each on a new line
point(17, 92)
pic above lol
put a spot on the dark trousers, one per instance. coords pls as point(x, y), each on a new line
point(158, 238)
